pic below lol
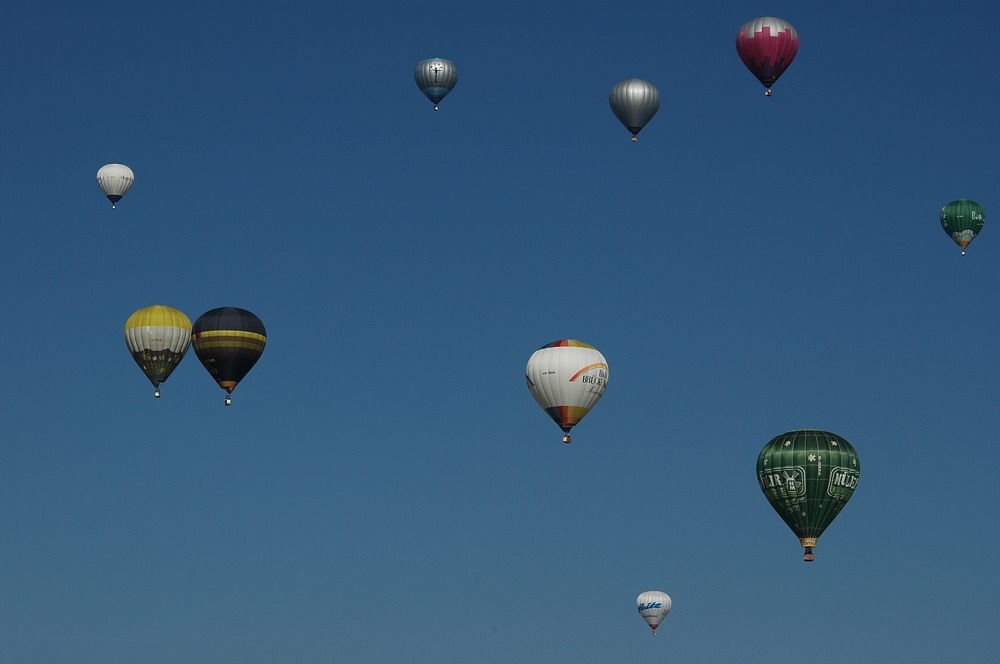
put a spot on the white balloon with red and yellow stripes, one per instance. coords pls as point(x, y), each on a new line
point(567, 378)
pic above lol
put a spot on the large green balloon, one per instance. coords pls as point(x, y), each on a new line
point(962, 220)
point(808, 476)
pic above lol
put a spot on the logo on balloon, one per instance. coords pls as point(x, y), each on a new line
point(786, 481)
point(650, 605)
point(842, 482)
point(600, 378)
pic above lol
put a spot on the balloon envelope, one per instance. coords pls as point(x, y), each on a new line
point(157, 338)
point(634, 102)
point(115, 180)
point(653, 606)
point(808, 476)
point(436, 77)
point(767, 45)
point(962, 220)
point(229, 341)
point(567, 378)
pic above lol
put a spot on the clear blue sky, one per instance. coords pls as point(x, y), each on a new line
point(384, 488)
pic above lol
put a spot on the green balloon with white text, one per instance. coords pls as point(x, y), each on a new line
point(808, 476)
point(963, 220)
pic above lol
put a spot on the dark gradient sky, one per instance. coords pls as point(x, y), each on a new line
point(384, 488)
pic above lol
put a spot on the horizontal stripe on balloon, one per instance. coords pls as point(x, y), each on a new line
point(567, 342)
point(211, 334)
point(252, 344)
point(158, 315)
point(567, 416)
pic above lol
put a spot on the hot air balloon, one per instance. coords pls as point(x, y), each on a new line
point(808, 476)
point(767, 45)
point(567, 377)
point(115, 180)
point(962, 220)
point(229, 341)
point(436, 77)
point(157, 337)
point(634, 102)
point(653, 606)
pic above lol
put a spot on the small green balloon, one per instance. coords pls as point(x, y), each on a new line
point(962, 220)
point(808, 476)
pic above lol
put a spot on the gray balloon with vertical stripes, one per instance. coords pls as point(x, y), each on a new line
point(436, 77)
point(634, 102)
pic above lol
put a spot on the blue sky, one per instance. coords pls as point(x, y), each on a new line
point(384, 487)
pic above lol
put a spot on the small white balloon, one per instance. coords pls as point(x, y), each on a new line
point(115, 180)
point(653, 606)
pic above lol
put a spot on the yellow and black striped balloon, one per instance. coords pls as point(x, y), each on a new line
point(229, 341)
